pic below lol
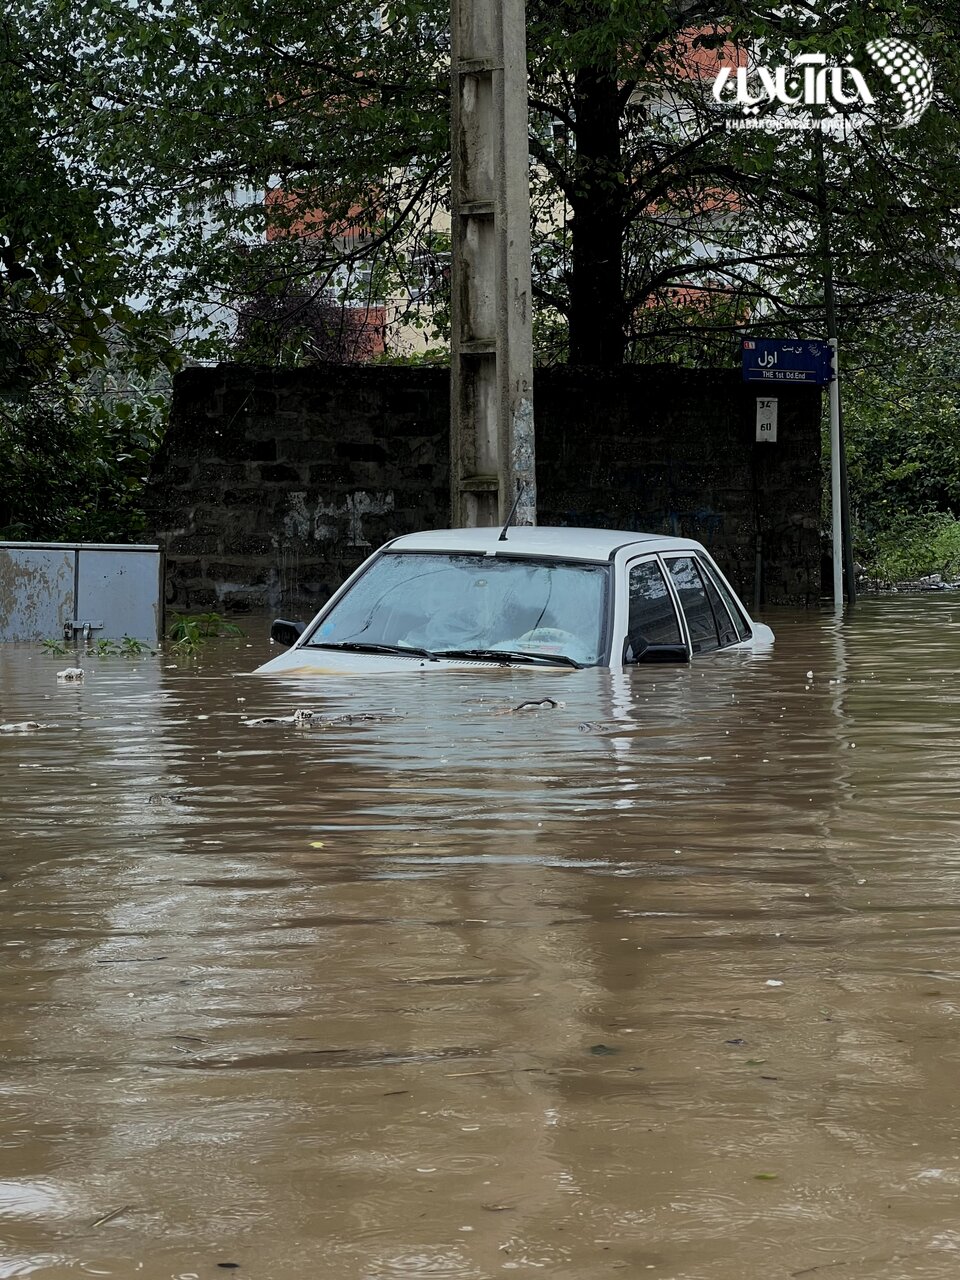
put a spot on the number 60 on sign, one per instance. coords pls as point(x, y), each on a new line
point(766, 421)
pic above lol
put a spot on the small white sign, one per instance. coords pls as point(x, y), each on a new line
point(766, 421)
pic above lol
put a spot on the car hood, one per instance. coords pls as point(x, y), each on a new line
point(305, 661)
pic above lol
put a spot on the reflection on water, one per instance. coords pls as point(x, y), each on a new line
point(660, 981)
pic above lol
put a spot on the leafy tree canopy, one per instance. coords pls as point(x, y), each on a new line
point(203, 126)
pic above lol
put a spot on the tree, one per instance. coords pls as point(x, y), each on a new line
point(282, 321)
point(657, 225)
point(74, 466)
point(903, 425)
point(81, 371)
point(57, 259)
point(680, 224)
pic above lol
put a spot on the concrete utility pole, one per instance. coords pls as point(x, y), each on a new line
point(491, 342)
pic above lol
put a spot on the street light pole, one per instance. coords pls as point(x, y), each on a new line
point(491, 338)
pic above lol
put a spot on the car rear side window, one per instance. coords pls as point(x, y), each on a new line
point(653, 618)
point(736, 613)
point(725, 628)
point(697, 609)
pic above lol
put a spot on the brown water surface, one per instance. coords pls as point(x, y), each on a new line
point(661, 982)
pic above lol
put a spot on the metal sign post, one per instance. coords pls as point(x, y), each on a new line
point(804, 360)
point(835, 504)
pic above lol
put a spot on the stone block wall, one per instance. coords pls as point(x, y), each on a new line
point(272, 485)
point(674, 451)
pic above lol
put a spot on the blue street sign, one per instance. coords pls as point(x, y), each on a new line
point(787, 360)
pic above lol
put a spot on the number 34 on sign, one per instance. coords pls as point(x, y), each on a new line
point(766, 420)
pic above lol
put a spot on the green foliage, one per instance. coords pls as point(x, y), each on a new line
point(916, 545)
point(189, 632)
point(65, 261)
point(430, 356)
point(333, 122)
point(128, 647)
point(901, 402)
point(74, 468)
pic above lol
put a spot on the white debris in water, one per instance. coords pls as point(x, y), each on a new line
point(773, 982)
point(809, 675)
point(23, 726)
point(70, 673)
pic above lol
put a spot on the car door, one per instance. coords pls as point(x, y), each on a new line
point(653, 624)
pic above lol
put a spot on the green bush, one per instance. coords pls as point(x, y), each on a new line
point(901, 404)
point(73, 471)
point(914, 546)
point(188, 631)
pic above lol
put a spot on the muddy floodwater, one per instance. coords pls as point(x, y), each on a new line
point(663, 981)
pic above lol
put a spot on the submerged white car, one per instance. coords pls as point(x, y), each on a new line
point(523, 597)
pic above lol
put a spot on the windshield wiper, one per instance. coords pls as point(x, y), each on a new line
point(510, 655)
point(368, 646)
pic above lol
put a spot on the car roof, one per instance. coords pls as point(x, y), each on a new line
point(541, 540)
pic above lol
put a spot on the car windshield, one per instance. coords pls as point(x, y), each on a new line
point(439, 601)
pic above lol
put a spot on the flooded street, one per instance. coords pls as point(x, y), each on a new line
point(664, 981)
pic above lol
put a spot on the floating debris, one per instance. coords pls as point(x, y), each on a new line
point(109, 1217)
point(543, 704)
point(361, 717)
point(303, 717)
point(23, 726)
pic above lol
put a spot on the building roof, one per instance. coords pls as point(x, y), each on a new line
point(570, 543)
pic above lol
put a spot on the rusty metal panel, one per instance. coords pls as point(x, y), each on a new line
point(121, 589)
point(102, 592)
point(36, 591)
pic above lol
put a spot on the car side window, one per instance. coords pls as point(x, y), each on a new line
point(736, 613)
point(653, 618)
point(697, 610)
point(725, 628)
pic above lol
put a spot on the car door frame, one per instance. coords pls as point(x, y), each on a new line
point(623, 624)
point(708, 569)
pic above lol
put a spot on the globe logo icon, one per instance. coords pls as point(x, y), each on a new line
point(909, 73)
